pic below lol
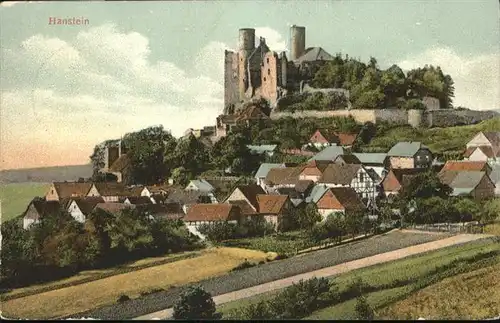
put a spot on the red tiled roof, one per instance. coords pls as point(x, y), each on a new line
point(283, 176)
point(339, 174)
point(111, 189)
point(271, 204)
point(114, 207)
point(460, 165)
point(209, 212)
point(244, 206)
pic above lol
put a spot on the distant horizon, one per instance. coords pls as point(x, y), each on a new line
point(66, 88)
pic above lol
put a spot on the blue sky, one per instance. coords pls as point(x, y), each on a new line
point(136, 64)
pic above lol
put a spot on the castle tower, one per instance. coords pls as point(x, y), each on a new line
point(246, 47)
point(297, 41)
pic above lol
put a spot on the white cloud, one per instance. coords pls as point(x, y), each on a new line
point(476, 78)
point(274, 39)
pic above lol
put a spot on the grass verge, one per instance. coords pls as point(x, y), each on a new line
point(391, 281)
point(66, 301)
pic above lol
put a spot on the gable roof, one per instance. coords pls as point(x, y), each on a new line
point(467, 179)
point(71, 189)
point(340, 174)
point(313, 54)
point(495, 173)
point(86, 204)
point(209, 212)
point(250, 191)
point(348, 198)
point(321, 165)
point(487, 150)
point(329, 153)
point(402, 173)
point(113, 208)
point(316, 193)
point(346, 139)
point(348, 159)
point(244, 206)
point(461, 165)
point(43, 208)
point(249, 113)
point(139, 200)
point(283, 176)
point(447, 176)
point(168, 211)
point(202, 185)
point(371, 158)
point(265, 168)
point(184, 197)
point(302, 186)
point(493, 137)
point(405, 149)
point(271, 204)
point(111, 189)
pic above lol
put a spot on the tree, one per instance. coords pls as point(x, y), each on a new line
point(146, 151)
point(430, 81)
point(97, 158)
point(467, 209)
point(353, 222)
point(305, 218)
point(232, 151)
point(424, 185)
point(363, 309)
point(393, 82)
point(180, 176)
point(195, 304)
point(191, 154)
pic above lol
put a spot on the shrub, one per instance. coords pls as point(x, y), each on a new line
point(363, 309)
point(245, 264)
point(123, 298)
point(195, 303)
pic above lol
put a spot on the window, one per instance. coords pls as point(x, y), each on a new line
point(267, 60)
point(264, 78)
point(268, 71)
point(361, 177)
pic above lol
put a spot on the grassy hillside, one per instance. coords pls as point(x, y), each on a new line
point(45, 174)
point(16, 196)
point(439, 140)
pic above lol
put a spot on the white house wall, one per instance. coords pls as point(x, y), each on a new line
point(478, 155)
point(479, 140)
point(76, 213)
point(93, 191)
point(28, 222)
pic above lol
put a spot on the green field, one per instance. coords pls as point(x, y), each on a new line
point(15, 197)
point(394, 281)
point(439, 140)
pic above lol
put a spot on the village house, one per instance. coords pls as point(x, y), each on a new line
point(61, 190)
point(313, 170)
point(268, 150)
point(187, 198)
point(168, 211)
point(282, 177)
point(329, 153)
point(110, 192)
point(409, 155)
point(353, 176)
point(263, 170)
point(137, 200)
point(323, 138)
point(274, 209)
point(247, 193)
point(139, 190)
point(485, 146)
point(339, 199)
point(199, 214)
point(297, 194)
point(395, 179)
point(495, 177)
point(80, 207)
point(204, 187)
point(347, 159)
point(225, 123)
point(476, 184)
point(38, 209)
point(378, 162)
point(464, 165)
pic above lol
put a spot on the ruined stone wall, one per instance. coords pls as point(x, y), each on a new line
point(391, 115)
point(359, 115)
point(231, 78)
point(448, 117)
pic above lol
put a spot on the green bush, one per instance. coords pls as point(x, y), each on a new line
point(123, 298)
point(195, 304)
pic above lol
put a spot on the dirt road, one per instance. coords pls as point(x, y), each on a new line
point(330, 271)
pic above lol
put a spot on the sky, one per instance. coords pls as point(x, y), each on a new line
point(65, 89)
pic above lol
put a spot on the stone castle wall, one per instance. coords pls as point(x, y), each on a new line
point(415, 118)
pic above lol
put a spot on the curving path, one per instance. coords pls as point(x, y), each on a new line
point(330, 271)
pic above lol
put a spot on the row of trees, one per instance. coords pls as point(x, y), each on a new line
point(425, 199)
point(338, 225)
point(154, 155)
point(60, 246)
point(318, 101)
point(371, 87)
